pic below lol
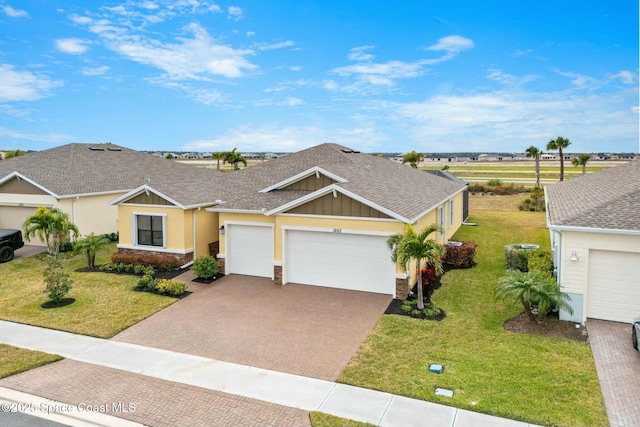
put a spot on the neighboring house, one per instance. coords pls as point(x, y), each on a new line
point(320, 216)
point(81, 179)
point(594, 221)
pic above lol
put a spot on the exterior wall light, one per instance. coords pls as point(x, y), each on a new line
point(574, 256)
point(221, 229)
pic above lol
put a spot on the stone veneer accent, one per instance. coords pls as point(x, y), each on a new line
point(220, 265)
point(182, 258)
point(402, 288)
point(277, 274)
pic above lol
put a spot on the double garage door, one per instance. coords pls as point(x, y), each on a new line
point(614, 288)
point(341, 260)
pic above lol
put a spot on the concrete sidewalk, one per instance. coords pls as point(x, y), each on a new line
point(295, 391)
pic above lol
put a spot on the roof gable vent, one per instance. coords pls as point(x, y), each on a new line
point(114, 149)
point(96, 148)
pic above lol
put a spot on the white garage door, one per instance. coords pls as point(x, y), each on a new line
point(14, 216)
point(614, 287)
point(249, 250)
point(339, 260)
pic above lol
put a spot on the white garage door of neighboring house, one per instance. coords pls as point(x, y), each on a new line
point(614, 288)
point(14, 216)
point(249, 250)
point(339, 260)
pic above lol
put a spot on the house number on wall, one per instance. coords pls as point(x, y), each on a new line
point(337, 230)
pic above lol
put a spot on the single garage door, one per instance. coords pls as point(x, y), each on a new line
point(339, 260)
point(14, 216)
point(614, 288)
point(249, 250)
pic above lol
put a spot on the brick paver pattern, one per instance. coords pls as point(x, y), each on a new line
point(618, 366)
point(157, 403)
point(304, 330)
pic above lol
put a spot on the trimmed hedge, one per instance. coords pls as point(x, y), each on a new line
point(174, 288)
point(205, 267)
point(522, 259)
point(461, 256)
point(161, 262)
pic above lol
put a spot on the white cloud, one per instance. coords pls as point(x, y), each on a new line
point(381, 74)
point(95, 71)
point(290, 138)
point(235, 12)
point(359, 54)
point(292, 102)
point(626, 77)
point(510, 79)
point(72, 46)
point(452, 44)
point(272, 46)
point(53, 138)
point(188, 59)
point(14, 13)
point(23, 85)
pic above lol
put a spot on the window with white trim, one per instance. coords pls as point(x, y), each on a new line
point(150, 230)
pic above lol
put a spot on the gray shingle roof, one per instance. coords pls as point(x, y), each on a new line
point(398, 188)
point(76, 169)
point(607, 199)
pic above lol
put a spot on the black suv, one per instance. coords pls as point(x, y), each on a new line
point(10, 240)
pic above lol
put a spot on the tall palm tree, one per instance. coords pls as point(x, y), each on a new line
point(91, 244)
point(413, 158)
point(233, 158)
point(581, 160)
point(218, 155)
point(535, 152)
point(559, 144)
point(419, 247)
point(51, 225)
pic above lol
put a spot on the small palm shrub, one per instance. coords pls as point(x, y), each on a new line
point(205, 267)
point(536, 291)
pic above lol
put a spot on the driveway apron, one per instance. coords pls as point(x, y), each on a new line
point(618, 366)
point(304, 330)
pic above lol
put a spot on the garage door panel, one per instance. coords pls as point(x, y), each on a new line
point(339, 260)
point(14, 216)
point(614, 290)
point(250, 250)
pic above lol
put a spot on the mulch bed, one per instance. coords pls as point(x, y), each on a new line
point(62, 303)
point(208, 281)
point(395, 307)
point(551, 327)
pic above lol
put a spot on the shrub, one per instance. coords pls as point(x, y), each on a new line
point(516, 257)
point(171, 287)
point(57, 281)
point(477, 188)
point(540, 260)
point(107, 268)
point(205, 267)
point(494, 182)
point(147, 283)
point(139, 269)
point(432, 311)
point(461, 256)
point(161, 262)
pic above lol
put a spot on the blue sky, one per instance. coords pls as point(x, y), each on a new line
point(282, 75)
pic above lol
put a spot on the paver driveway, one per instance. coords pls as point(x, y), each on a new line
point(618, 366)
point(304, 330)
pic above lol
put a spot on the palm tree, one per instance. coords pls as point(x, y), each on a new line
point(51, 225)
point(559, 144)
point(91, 244)
point(535, 290)
point(581, 160)
point(535, 152)
point(233, 158)
point(419, 247)
point(413, 158)
point(218, 155)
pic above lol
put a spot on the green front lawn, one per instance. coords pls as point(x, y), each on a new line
point(14, 360)
point(524, 377)
point(105, 303)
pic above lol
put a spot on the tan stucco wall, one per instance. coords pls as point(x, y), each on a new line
point(92, 214)
point(574, 274)
point(179, 228)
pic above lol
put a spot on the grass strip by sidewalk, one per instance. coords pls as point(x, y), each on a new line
point(15, 360)
point(523, 377)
